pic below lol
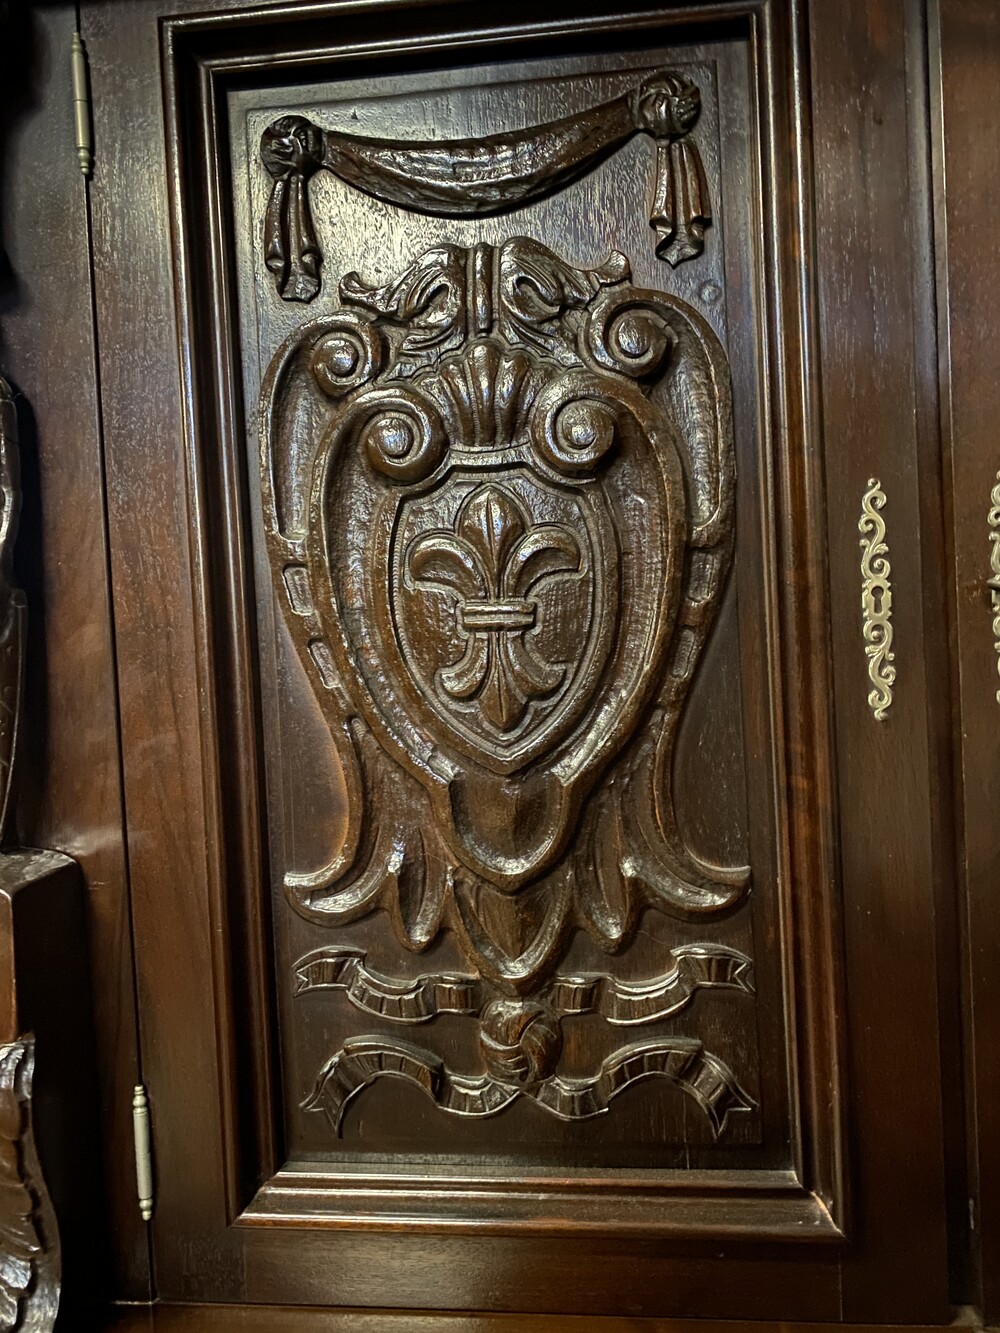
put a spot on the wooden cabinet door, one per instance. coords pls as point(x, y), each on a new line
point(516, 492)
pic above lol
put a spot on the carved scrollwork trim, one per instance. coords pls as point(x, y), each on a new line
point(457, 454)
point(623, 1004)
point(29, 1252)
point(993, 583)
point(682, 1061)
point(477, 177)
point(876, 599)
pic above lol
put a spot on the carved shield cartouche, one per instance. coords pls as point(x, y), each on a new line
point(499, 499)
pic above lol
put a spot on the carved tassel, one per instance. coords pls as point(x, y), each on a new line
point(291, 251)
point(477, 177)
point(680, 210)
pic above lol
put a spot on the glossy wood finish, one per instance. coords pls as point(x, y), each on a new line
point(191, 614)
point(300, 826)
point(269, 1209)
point(817, 162)
point(965, 44)
point(40, 1007)
point(235, 1319)
point(874, 255)
point(69, 783)
point(158, 672)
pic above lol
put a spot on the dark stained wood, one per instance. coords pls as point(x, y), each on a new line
point(542, 901)
point(159, 667)
point(505, 641)
point(29, 1282)
point(234, 1319)
point(309, 1010)
point(965, 45)
point(206, 675)
point(491, 174)
point(194, 247)
point(868, 252)
point(69, 781)
point(44, 1013)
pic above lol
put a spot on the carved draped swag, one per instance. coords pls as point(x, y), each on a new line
point(480, 177)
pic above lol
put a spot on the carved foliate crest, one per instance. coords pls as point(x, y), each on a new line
point(498, 493)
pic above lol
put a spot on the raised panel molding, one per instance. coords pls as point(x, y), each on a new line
point(507, 428)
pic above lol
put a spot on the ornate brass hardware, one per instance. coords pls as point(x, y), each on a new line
point(876, 600)
point(993, 582)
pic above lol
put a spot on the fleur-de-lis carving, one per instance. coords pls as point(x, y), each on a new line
point(490, 562)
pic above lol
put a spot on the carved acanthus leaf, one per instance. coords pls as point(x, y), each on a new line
point(29, 1292)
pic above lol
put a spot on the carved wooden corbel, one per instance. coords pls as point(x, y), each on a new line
point(29, 1251)
point(29, 1241)
point(479, 177)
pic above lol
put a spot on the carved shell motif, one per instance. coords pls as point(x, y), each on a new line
point(500, 553)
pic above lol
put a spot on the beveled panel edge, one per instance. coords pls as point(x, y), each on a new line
point(761, 1205)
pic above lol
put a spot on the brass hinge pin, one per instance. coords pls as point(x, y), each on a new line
point(81, 106)
point(143, 1151)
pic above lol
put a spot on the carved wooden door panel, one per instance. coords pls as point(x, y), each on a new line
point(499, 501)
point(519, 640)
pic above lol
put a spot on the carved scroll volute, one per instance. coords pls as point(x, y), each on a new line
point(476, 177)
point(501, 639)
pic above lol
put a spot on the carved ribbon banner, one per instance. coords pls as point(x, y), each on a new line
point(490, 175)
point(620, 1003)
point(682, 1061)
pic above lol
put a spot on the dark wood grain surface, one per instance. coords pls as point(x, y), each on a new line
point(69, 783)
point(237, 798)
point(542, 901)
point(966, 41)
point(233, 1319)
point(871, 252)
